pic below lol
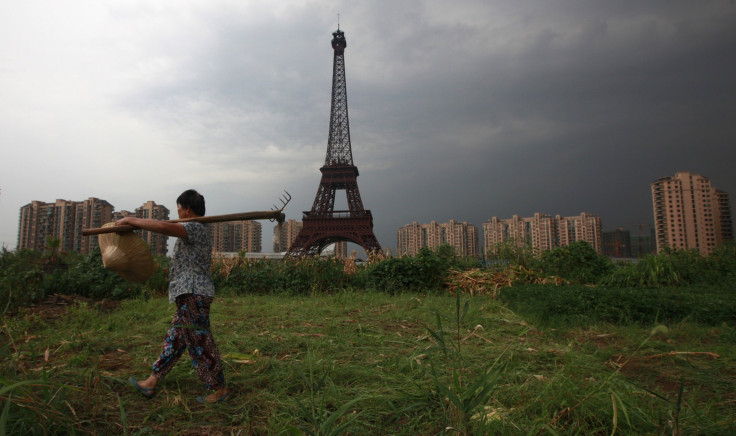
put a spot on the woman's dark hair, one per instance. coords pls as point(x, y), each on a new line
point(191, 199)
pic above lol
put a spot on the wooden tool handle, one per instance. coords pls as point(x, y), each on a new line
point(243, 216)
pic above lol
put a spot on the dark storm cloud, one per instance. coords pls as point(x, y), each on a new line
point(584, 111)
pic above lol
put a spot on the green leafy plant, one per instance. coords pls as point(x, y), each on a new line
point(464, 397)
point(320, 420)
point(578, 262)
point(21, 279)
point(510, 253)
point(424, 272)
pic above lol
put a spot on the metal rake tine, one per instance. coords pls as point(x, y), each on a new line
point(285, 199)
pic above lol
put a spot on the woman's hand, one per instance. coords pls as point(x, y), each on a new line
point(138, 223)
point(123, 222)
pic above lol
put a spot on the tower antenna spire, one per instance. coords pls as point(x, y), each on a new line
point(338, 20)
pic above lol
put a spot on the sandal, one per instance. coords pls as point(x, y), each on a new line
point(146, 392)
point(222, 399)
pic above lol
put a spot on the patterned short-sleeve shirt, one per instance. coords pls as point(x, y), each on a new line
point(189, 271)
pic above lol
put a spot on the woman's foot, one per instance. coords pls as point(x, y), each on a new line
point(219, 396)
point(145, 389)
point(149, 383)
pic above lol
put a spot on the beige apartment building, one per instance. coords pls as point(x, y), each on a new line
point(690, 213)
point(463, 237)
point(543, 232)
point(285, 234)
point(157, 242)
point(726, 221)
point(341, 249)
point(236, 237)
point(63, 220)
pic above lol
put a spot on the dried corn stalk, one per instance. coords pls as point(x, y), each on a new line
point(477, 281)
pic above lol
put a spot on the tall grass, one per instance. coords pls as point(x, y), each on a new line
point(368, 363)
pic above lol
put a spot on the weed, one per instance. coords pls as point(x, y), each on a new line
point(463, 397)
point(321, 421)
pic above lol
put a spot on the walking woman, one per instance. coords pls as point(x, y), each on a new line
point(191, 288)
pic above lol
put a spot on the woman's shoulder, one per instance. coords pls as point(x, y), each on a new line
point(195, 229)
point(193, 225)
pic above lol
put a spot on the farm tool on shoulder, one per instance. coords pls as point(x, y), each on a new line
point(128, 255)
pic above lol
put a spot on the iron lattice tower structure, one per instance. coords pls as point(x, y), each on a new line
point(323, 225)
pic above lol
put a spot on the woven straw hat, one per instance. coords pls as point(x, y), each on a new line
point(126, 254)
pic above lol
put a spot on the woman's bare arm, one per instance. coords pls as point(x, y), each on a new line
point(170, 229)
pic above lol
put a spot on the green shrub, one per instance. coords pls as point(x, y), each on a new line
point(677, 268)
point(158, 283)
point(511, 252)
point(21, 279)
point(577, 262)
point(724, 261)
point(252, 276)
point(425, 272)
point(89, 278)
point(290, 276)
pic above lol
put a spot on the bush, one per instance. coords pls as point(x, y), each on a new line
point(27, 277)
point(89, 278)
point(511, 252)
point(21, 278)
point(577, 262)
point(677, 268)
point(291, 276)
point(158, 283)
point(425, 272)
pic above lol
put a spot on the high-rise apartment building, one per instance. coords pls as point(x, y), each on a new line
point(689, 213)
point(341, 248)
point(63, 220)
point(644, 243)
point(543, 232)
point(538, 232)
point(234, 237)
point(285, 234)
point(463, 237)
point(724, 210)
point(584, 227)
point(94, 213)
point(157, 242)
point(617, 243)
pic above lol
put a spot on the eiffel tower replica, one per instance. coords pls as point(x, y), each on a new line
point(323, 225)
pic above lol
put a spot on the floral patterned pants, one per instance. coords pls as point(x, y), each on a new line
point(190, 330)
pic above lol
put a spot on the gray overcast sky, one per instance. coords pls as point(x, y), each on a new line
point(466, 109)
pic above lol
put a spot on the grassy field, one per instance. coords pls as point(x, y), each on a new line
point(364, 363)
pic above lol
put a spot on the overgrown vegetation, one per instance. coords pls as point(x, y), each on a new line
point(564, 343)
